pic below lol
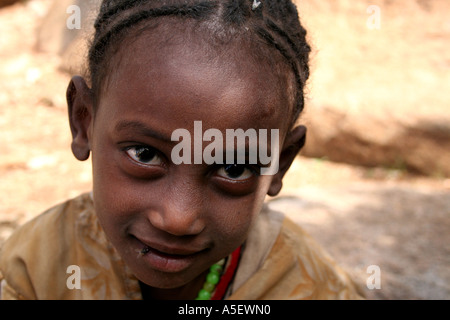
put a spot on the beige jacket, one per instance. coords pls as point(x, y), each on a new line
point(279, 261)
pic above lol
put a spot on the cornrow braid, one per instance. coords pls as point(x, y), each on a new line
point(299, 95)
point(275, 22)
point(111, 23)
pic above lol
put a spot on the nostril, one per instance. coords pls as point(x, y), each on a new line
point(177, 223)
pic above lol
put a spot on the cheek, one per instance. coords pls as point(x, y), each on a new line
point(109, 201)
point(114, 196)
point(232, 218)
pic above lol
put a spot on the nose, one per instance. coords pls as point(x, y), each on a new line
point(181, 211)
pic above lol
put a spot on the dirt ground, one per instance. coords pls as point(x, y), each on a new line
point(388, 218)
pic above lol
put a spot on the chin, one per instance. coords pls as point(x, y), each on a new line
point(162, 280)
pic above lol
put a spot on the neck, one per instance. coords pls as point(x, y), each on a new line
point(186, 292)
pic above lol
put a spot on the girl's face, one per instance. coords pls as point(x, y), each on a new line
point(185, 217)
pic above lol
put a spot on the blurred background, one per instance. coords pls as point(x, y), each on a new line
point(373, 182)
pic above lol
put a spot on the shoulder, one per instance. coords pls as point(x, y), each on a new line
point(43, 247)
point(296, 267)
point(53, 226)
point(318, 274)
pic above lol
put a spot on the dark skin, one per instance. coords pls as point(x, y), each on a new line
point(190, 216)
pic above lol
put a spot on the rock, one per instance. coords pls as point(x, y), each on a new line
point(400, 227)
point(420, 145)
point(60, 34)
point(376, 97)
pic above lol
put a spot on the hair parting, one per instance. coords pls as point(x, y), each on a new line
point(275, 22)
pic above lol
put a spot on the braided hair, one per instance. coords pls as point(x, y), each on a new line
point(274, 22)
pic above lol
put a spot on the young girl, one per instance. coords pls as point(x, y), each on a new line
point(155, 228)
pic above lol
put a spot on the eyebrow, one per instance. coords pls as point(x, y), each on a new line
point(141, 128)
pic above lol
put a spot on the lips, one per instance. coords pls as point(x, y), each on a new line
point(165, 250)
point(166, 258)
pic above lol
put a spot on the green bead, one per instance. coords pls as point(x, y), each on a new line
point(213, 277)
point(209, 287)
point(204, 295)
point(216, 268)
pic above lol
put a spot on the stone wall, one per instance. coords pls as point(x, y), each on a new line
point(379, 96)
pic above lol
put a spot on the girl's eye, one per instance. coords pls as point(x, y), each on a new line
point(238, 172)
point(144, 155)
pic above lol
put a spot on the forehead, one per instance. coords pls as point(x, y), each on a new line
point(179, 79)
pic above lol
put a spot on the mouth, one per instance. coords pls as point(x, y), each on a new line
point(166, 259)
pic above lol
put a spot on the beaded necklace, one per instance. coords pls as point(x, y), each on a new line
point(217, 280)
point(212, 279)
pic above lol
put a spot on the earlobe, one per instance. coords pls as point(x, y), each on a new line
point(79, 101)
point(294, 142)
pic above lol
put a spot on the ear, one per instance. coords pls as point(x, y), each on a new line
point(294, 142)
point(79, 101)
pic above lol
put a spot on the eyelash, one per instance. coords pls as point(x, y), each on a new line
point(148, 148)
point(254, 171)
